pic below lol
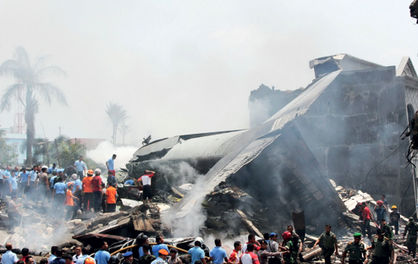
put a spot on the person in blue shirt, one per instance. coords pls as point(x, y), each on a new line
point(13, 185)
point(110, 165)
point(160, 245)
point(58, 194)
point(80, 167)
point(24, 178)
point(218, 254)
point(197, 253)
point(9, 257)
point(102, 256)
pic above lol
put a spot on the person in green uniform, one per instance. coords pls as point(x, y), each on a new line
point(356, 251)
point(287, 247)
point(386, 229)
point(328, 243)
point(382, 249)
point(411, 240)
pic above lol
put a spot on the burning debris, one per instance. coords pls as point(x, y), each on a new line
point(288, 168)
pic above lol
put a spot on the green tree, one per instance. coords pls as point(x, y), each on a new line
point(8, 153)
point(28, 88)
point(118, 116)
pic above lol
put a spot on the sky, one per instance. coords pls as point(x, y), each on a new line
point(188, 66)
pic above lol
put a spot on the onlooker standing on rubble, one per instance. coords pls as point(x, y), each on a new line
point(88, 190)
point(111, 196)
point(24, 180)
point(146, 184)
point(97, 190)
point(69, 201)
point(328, 243)
point(9, 257)
point(13, 184)
point(43, 182)
point(380, 211)
point(80, 167)
point(411, 241)
point(102, 256)
point(59, 193)
point(110, 165)
point(394, 219)
point(218, 254)
point(366, 216)
point(356, 251)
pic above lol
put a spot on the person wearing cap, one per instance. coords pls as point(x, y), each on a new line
point(218, 254)
point(411, 240)
point(160, 245)
point(272, 245)
point(128, 257)
point(394, 217)
point(89, 260)
point(197, 253)
point(80, 167)
point(328, 243)
point(102, 256)
point(96, 183)
point(173, 258)
point(162, 257)
point(297, 243)
point(88, 191)
point(382, 249)
point(287, 248)
point(356, 251)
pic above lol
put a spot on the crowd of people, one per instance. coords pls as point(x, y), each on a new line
point(268, 250)
point(83, 190)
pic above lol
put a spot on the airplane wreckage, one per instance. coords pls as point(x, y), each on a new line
point(308, 158)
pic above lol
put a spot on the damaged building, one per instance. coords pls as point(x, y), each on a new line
point(344, 126)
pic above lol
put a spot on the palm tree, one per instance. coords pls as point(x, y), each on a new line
point(118, 116)
point(28, 88)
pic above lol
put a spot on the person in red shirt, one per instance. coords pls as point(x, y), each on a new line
point(96, 184)
point(111, 195)
point(249, 257)
point(235, 256)
point(88, 191)
point(366, 216)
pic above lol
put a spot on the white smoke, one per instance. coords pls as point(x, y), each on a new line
point(105, 150)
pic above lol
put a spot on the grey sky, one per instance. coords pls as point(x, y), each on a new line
point(189, 66)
